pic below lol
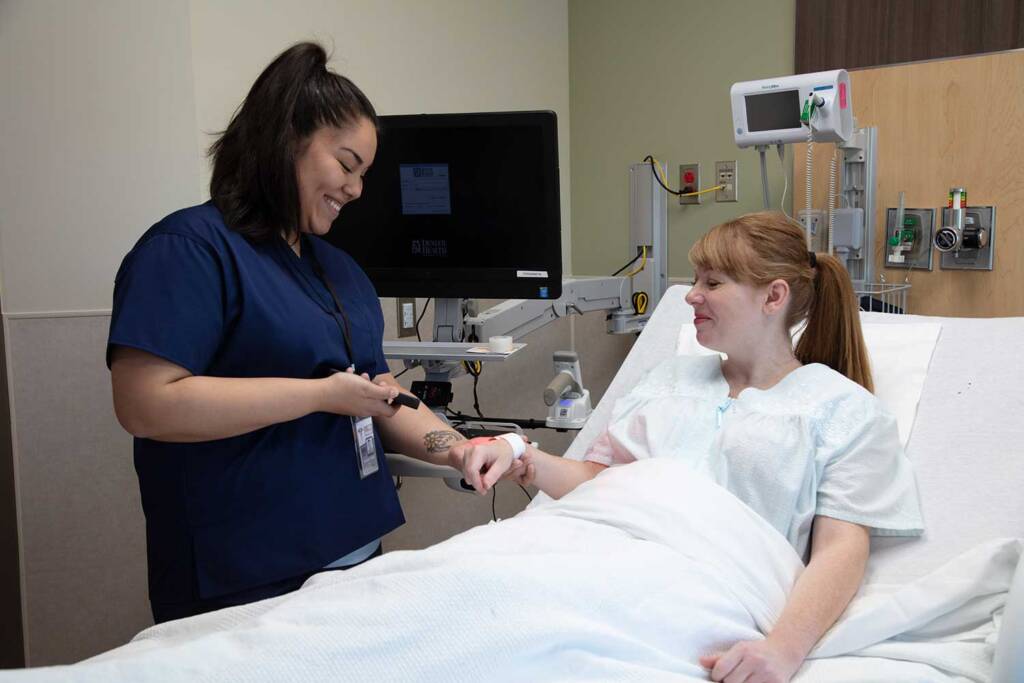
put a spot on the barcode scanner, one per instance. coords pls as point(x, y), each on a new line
point(406, 400)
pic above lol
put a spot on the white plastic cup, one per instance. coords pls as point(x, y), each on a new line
point(500, 344)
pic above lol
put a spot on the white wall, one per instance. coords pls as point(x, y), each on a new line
point(107, 107)
point(97, 142)
point(408, 56)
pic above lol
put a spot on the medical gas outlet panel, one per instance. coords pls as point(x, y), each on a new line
point(975, 248)
point(908, 244)
point(966, 238)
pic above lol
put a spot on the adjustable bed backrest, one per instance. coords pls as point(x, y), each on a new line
point(967, 442)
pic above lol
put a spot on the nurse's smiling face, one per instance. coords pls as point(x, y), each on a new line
point(329, 172)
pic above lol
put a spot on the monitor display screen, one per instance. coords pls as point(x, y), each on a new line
point(460, 205)
point(777, 110)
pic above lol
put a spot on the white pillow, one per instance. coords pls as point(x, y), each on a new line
point(899, 352)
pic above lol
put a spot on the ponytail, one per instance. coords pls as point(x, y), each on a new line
point(833, 334)
point(253, 182)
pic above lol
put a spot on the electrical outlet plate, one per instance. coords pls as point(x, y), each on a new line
point(406, 316)
point(689, 181)
point(725, 174)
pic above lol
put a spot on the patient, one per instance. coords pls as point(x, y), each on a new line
point(796, 434)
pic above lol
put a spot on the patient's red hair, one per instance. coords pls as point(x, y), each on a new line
point(758, 248)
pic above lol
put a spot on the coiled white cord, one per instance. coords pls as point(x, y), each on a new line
point(833, 169)
point(809, 179)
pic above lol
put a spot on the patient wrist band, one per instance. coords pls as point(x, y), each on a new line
point(516, 442)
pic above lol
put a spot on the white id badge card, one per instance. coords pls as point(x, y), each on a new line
point(366, 447)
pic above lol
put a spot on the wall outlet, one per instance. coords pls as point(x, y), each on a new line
point(725, 175)
point(406, 316)
point(689, 181)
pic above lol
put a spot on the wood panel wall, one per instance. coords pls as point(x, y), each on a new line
point(847, 34)
point(941, 124)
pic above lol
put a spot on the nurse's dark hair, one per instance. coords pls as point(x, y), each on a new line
point(254, 184)
point(758, 248)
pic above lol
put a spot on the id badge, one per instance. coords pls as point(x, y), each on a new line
point(366, 446)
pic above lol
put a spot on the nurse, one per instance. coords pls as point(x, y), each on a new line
point(245, 357)
point(793, 432)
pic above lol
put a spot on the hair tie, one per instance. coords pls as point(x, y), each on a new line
point(813, 258)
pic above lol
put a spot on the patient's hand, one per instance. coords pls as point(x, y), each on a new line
point(753, 660)
point(522, 471)
point(482, 461)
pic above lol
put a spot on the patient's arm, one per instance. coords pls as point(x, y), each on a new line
point(557, 476)
point(839, 553)
point(421, 434)
point(484, 463)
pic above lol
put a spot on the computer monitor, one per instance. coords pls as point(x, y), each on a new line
point(460, 205)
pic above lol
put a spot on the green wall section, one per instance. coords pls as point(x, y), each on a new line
point(653, 77)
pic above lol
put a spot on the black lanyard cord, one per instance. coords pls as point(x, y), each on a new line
point(346, 333)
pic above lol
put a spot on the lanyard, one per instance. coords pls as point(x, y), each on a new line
point(346, 334)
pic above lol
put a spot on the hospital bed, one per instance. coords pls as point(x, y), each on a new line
point(960, 403)
point(462, 610)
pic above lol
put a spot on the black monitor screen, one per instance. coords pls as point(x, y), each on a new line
point(773, 111)
point(460, 205)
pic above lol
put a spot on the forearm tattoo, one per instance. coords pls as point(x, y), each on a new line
point(441, 440)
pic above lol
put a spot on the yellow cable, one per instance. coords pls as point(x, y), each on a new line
point(661, 175)
point(643, 264)
point(657, 167)
point(640, 300)
point(710, 189)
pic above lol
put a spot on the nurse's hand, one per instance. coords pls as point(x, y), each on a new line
point(482, 461)
point(346, 393)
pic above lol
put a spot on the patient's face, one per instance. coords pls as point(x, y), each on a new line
point(728, 314)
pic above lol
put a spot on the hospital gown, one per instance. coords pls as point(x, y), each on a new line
point(816, 443)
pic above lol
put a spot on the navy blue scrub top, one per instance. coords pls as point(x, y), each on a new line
point(236, 513)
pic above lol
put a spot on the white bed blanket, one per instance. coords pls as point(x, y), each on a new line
point(629, 578)
point(946, 621)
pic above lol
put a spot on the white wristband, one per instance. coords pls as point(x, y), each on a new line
point(516, 442)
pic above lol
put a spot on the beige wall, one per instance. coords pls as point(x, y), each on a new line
point(98, 141)
point(653, 77)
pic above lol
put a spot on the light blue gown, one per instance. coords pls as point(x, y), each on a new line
point(816, 443)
